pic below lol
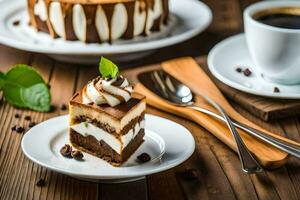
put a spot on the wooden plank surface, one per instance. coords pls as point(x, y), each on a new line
point(217, 168)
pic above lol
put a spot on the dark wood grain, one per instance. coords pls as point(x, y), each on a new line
point(219, 174)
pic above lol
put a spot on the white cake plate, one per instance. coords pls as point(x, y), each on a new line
point(188, 18)
point(231, 53)
point(168, 143)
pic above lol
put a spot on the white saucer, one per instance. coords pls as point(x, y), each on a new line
point(231, 53)
point(188, 18)
point(168, 143)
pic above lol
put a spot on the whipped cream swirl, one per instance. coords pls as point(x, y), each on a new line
point(107, 91)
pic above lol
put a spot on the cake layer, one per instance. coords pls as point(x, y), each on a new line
point(97, 21)
point(117, 118)
point(91, 145)
point(108, 128)
point(116, 142)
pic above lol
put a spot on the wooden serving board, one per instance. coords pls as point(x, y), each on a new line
point(189, 72)
point(267, 109)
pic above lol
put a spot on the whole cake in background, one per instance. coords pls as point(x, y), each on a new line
point(107, 117)
point(98, 21)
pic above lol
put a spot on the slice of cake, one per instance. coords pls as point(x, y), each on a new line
point(98, 21)
point(107, 118)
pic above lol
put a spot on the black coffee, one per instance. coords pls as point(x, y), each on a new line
point(282, 18)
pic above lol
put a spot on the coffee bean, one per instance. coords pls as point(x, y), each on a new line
point(247, 72)
point(17, 115)
point(19, 129)
point(14, 128)
point(144, 157)
point(276, 90)
point(239, 70)
point(77, 155)
point(31, 124)
point(41, 183)
point(66, 151)
point(16, 23)
point(27, 118)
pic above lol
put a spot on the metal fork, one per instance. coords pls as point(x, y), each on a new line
point(174, 89)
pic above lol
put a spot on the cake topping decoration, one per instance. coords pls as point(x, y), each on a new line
point(111, 88)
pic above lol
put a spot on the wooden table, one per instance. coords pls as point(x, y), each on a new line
point(217, 171)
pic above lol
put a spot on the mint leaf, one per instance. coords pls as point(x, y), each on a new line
point(12, 94)
point(107, 68)
point(37, 97)
point(24, 87)
point(2, 81)
point(24, 75)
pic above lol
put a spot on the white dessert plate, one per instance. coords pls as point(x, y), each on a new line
point(168, 143)
point(231, 53)
point(188, 18)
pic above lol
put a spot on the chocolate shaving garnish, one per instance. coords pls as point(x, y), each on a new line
point(276, 90)
point(144, 157)
point(77, 155)
point(247, 72)
point(41, 183)
point(66, 151)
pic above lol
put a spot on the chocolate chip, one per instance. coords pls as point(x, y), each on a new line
point(276, 90)
point(17, 115)
point(31, 124)
point(239, 70)
point(41, 183)
point(14, 128)
point(247, 72)
point(144, 157)
point(191, 174)
point(77, 155)
point(19, 129)
point(63, 107)
point(16, 23)
point(27, 118)
point(66, 151)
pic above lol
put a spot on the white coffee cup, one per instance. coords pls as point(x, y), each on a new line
point(275, 51)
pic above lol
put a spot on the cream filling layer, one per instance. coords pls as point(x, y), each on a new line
point(86, 129)
point(139, 18)
point(41, 10)
point(118, 23)
point(79, 22)
point(153, 15)
point(57, 19)
point(105, 118)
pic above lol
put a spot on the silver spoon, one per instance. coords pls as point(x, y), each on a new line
point(185, 98)
point(179, 94)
